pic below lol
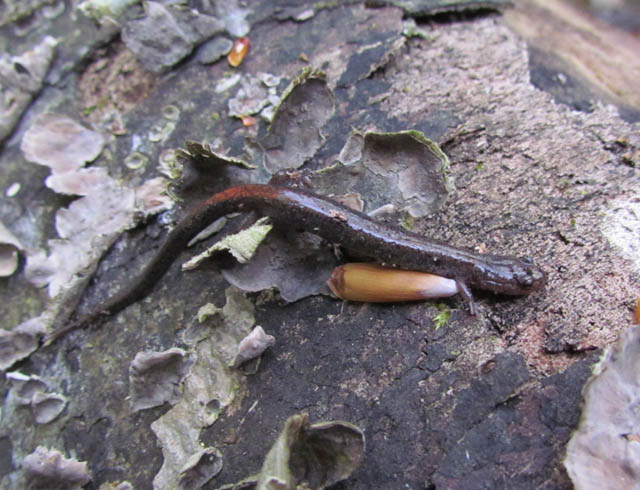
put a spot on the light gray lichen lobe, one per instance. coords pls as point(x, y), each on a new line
point(155, 377)
point(604, 452)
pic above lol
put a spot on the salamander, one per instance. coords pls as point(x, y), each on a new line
point(339, 224)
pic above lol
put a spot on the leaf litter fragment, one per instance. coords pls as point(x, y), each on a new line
point(201, 154)
point(241, 245)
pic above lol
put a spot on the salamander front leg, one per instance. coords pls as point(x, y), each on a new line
point(465, 292)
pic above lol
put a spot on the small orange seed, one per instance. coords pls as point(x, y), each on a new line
point(238, 52)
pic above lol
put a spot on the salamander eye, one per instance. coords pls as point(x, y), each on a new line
point(526, 279)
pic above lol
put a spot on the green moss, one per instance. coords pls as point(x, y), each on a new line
point(30, 306)
point(409, 222)
point(443, 317)
point(326, 5)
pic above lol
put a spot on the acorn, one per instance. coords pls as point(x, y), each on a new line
point(372, 283)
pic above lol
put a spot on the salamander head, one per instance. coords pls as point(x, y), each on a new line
point(508, 275)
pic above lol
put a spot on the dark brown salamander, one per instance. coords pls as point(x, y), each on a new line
point(339, 224)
